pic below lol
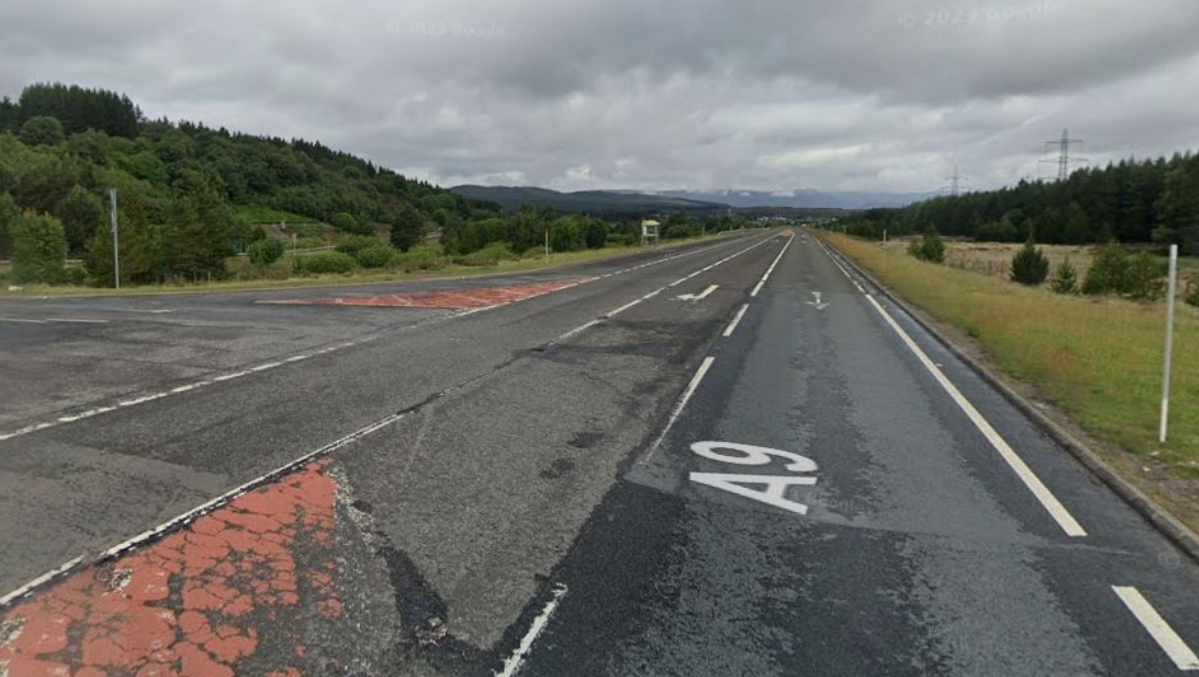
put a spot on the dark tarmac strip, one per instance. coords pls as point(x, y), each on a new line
point(882, 530)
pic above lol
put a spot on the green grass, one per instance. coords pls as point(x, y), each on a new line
point(278, 277)
point(1099, 359)
point(261, 214)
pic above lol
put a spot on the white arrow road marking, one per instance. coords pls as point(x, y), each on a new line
point(817, 304)
point(698, 297)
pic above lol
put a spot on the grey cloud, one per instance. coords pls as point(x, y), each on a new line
point(768, 94)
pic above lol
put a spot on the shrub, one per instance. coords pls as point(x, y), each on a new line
point(1192, 297)
point(1107, 271)
point(344, 221)
point(1143, 278)
point(303, 230)
point(356, 244)
point(39, 248)
point(375, 256)
point(1065, 279)
point(421, 257)
point(265, 252)
point(488, 256)
point(327, 262)
point(309, 243)
point(1029, 265)
point(929, 248)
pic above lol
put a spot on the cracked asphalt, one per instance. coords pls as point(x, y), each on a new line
point(413, 481)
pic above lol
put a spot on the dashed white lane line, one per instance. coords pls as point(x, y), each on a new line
point(736, 321)
point(78, 416)
point(766, 276)
point(513, 663)
point(1056, 510)
point(1157, 627)
point(681, 405)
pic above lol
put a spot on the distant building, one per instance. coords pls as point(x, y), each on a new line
point(650, 231)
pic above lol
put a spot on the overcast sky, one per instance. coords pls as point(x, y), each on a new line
point(880, 95)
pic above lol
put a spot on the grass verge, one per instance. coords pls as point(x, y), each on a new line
point(358, 276)
point(1099, 360)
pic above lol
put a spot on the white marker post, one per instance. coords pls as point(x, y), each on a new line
point(116, 245)
point(1169, 358)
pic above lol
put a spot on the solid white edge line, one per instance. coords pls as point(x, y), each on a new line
point(682, 404)
point(24, 589)
point(513, 663)
point(1157, 627)
point(736, 321)
point(766, 276)
point(1042, 493)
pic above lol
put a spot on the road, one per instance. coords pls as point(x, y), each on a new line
point(735, 458)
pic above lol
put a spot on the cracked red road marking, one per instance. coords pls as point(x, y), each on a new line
point(196, 603)
point(482, 297)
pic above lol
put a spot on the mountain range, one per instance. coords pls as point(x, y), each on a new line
point(640, 202)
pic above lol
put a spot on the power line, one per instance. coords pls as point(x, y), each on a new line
point(1064, 158)
point(955, 182)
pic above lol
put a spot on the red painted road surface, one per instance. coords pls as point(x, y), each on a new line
point(199, 603)
point(481, 297)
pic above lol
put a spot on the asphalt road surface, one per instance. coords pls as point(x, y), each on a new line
point(732, 458)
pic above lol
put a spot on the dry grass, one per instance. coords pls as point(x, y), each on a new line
point(1099, 360)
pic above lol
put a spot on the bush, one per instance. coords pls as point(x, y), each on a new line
point(929, 248)
point(490, 255)
point(309, 243)
point(1065, 279)
point(327, 262)
point(303, 230)
point(1192, 297)
point(1029, 265)
point(356, 244)
point(1107, 271)
point(620, 240)
point(265, 252)
point(421, 257)
point(344, 221)
point(1143, 278)
point(375, 256)
point(39, 249)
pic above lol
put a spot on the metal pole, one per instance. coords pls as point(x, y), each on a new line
point(116, 244)
point(294, 261)
point(547, 244)
point(1169, 344)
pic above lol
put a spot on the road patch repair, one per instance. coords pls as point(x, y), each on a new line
point(244, 589)
point(482, 297)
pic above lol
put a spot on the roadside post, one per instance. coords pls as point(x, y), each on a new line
point(116, 245)
point(1169, 356)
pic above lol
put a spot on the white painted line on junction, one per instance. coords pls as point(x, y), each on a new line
point(1056, 510)
point(70, 418)
point(736, 321)
point(758, 288)
point(700, 296)
point(25, 589)
point(1158, 628)
point(512, 663)
point(682, 404)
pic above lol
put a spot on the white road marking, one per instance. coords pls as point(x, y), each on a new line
point(75, 320)
point(758, 288)
point(681, 405)
point(736, 321)
point(1056, 510)
point(700, 296)
point(25, 589)
point(818, 304)
point(1157, 627)
point(775, 493)
point(512, 663)
point(70, 418)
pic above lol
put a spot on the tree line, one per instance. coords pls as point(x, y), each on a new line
point(181, 187)
point(1132, 201)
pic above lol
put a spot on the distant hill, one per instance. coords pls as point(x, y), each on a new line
point(802, 198)
point(587, 201)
